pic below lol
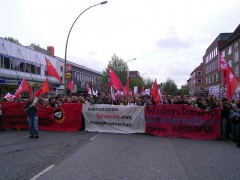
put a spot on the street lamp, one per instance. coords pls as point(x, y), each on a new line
point(65, 60)
point(127, 62)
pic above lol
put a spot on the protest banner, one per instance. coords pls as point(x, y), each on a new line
point(67, 117)
point(183, 121)
point(115, 119)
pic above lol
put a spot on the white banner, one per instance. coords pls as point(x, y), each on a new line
point(115, 119)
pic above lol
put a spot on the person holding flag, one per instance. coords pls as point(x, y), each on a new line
point(32, 117)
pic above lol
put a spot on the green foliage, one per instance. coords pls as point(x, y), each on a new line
point(148, 82)
point(136, 82)
point(12, 40)
point(120, 68)
point(184, 90)
point(169, 87)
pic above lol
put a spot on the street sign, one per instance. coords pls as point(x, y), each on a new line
point(69, 67)
point(68, 75)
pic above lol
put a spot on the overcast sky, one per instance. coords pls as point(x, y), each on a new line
point(168, 38)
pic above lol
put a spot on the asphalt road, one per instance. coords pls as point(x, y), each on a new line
point(84, 155)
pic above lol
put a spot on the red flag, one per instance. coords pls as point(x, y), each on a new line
point(9, 96)
point(22, 88)
point(70, 85)
point(223, 65)
point(52, 71)
point(88, 87)
point(113, 80)
point(143, 90)
point(127, 88)
point(155, 93)
point(31, 91)
point(231, 82)
point(43, 89)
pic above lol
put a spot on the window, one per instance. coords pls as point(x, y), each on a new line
point(213, 78)
point(78, 76)
point(22, 67)
point(216, 76)
point(81, 77)
point(199, 73)
point(39, 70)
point(6, 62)
point(33, 69)
point(15, 64)
point(223, 53)
point(1, 57)
point(199, 80)
point(236, 45)
point(236, 70)
point(230, 50)
point(96, 80)
point(28, 68)
point(230, 63)
point(236, 55)
point(206, 80)
point(61, 69)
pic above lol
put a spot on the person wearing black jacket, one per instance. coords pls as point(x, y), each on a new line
point(225, 110)
point(31, 109)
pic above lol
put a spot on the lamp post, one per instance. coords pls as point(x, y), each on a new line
point(127, 68)
point(127, 62)
point(143, 74)
point(65, 60)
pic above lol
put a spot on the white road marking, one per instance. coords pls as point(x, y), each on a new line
point(43, 172)
point(95, 136)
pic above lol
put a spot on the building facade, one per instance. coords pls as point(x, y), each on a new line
point(18, 62)
point(226, 45)
point(195, 83)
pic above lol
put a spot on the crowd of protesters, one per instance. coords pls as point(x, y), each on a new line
point(230, 116)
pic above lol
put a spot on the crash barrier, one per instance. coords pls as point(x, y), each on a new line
point(179, 121)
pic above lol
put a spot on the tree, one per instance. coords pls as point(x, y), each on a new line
point(169, 87)
point(184, 90)
point(120, 68)
point(136, 82)
point(148, 82)
point(12, 40)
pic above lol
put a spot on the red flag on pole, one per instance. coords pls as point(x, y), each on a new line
point(229, 78)
point(127, 87)
point(43, 89)
point(22, 88)
point(70, 85)
point(223, 67)
point(113, 80)
point(155, 93)
point(52, 71)
point(231, 82)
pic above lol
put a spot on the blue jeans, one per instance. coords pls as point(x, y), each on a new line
point(235, 131)
point(33, 125)
point(224, 128)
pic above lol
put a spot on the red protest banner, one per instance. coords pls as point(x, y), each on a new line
point(183, 121)
point(67, 117)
